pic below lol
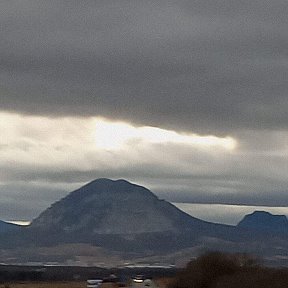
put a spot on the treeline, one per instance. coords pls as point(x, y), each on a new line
point(29, 273)
point(20, 276)
point(218, 270)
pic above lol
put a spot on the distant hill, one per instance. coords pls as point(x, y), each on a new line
point(265, 221)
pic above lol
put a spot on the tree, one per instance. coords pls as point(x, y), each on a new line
point(208, 268)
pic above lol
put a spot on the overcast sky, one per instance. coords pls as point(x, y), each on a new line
point(188, 98)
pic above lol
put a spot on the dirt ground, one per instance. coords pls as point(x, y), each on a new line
point(44, 285)
point(161, 283)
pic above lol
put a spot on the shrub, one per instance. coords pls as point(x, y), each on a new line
point(205, 271)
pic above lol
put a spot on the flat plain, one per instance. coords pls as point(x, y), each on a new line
point(44, 285)
point(161, 283)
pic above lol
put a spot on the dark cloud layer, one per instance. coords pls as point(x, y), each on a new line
point(204, 66)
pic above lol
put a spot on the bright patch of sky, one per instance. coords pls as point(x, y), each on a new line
point(114, 135)
point(19, 222)
point(47, 142)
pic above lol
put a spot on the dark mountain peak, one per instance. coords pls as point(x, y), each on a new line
point(106, 181)
point(103, 192)
point(264, 215)
point(108, 186)
point(106, 206)
point(260, 213)
point(262, 220)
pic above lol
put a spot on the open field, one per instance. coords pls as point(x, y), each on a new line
point(44, 285)
point(161, 283)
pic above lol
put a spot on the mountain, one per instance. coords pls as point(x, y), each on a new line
point(122, 216)
point(113, 207)
point(265, 221)
point(118, 220)
point(114, 214)
point(121, 220)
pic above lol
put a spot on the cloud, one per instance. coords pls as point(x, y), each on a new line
point(198, 66)
point(38, 148)
point(44, 158)
point(203, 68)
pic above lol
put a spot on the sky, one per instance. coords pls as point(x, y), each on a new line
point(188, 98)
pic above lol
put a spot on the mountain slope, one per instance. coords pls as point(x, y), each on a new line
point(113, 207)
point(122, 216)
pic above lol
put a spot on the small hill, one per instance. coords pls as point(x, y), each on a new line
point(265, 221)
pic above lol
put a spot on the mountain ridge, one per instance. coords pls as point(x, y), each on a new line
point(116, 205)
point(129, 220)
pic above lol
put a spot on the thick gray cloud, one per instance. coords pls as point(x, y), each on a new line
point(204, 66)
point(207, 66)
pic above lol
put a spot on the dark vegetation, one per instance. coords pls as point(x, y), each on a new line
point(218, 270)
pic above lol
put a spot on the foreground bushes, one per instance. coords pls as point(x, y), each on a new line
point(218, 270)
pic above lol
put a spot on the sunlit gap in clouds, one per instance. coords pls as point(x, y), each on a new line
point(96, 132)
point(21, 223)
point(114, 135)
point(32, 147)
